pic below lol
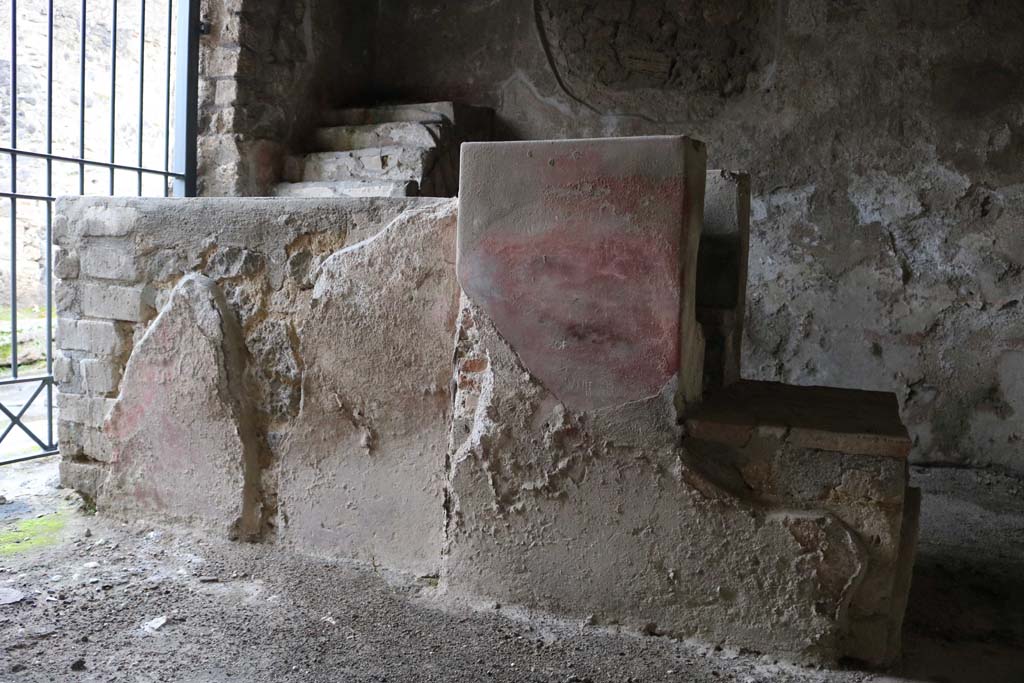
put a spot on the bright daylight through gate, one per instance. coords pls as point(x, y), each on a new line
point(97, 97)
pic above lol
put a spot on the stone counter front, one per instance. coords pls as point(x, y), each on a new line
point(504, 393)
point(266, 368)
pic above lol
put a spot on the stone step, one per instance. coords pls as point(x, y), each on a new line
point(371, 163)
point(348, 188)
point(424, 112)
point(404, 134)
point(468, 122)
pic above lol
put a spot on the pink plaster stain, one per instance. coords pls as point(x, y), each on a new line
point(590, 302)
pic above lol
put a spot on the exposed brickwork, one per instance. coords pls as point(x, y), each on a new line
point(266, 68)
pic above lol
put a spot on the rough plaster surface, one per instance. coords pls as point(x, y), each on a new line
point(258, 612)
point(362, 464)
point(603, 515)
point(883, 141)
point(182, 426)
point(584, 253)
point(817, 448)
point(247, 366)
point(282, 370)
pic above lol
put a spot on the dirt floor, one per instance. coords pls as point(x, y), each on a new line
point(91, 599)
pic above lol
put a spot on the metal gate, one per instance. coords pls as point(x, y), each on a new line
point(131, 66)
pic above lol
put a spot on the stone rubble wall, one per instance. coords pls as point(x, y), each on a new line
point(883, 140)
point(219, 365)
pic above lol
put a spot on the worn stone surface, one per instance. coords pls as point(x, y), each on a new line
point(819, 448)
point(276, 365)
point(583, 253)
point(601, 515)
point(392, 133)
point(348, 188)
point(372, 164)
point(722, 274)
point(362, 465)
point(182, 427)
point(867, 493)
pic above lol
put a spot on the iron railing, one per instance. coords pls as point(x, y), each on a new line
point(178, 172)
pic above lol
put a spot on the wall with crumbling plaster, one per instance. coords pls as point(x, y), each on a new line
point(264, 368)
point(883, 140)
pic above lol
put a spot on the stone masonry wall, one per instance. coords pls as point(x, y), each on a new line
point(883, 141)
point(219, 364)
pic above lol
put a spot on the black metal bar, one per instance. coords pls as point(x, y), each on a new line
point(22, 380)
point(183, 30)
point(142, 83)
point(48, 273)
point(22, 195)
point(81, 105)
point(14, 189)
point(167, 95)
point(16, 420)
point(34, 456)
point(113, 88)
point(187, 98)
point(87, 162)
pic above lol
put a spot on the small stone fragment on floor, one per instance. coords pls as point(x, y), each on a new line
point(155, 624)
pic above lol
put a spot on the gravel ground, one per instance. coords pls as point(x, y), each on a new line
point(108, 601)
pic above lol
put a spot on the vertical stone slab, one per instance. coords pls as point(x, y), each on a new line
point(722, 274)
point(184, 446)
point(362, 466)
point(583, 253)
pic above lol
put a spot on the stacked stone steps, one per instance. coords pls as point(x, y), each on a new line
point(372, 164)
point(399, 133)
point(348, 188)
point(385, 151)
point(462, 116)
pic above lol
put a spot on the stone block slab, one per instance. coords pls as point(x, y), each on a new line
point(405, 134)
point(100, 376)
point(84, 409)
point(184, 446)
point(116, 302)
point(350, 188)
point(373, 163)
point(583, 253)
point(362, 466)
point(115, 261)
point(83, 477)
point(101, 337)
point(843, 420)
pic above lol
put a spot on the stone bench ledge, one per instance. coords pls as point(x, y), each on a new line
point(849, 421)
